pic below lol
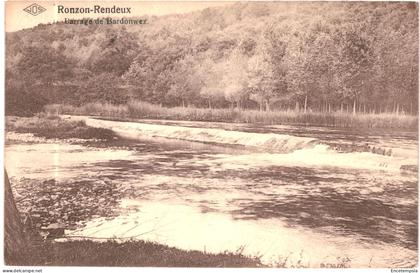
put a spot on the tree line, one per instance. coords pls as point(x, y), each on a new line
point(313, 56)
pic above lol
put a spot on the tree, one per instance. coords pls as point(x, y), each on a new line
point(235, 79)
point(355, 62)
point(210, 74)
point(184, 82)
point(105, 87)
point(264, 76)
point(44, 66)
point(115, 53)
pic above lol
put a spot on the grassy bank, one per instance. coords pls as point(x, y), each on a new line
point(149, 254)
point(52, 126)
point(138, 109)
point(132, 253)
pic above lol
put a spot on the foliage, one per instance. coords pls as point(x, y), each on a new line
point(19, 100)
point(357, 57)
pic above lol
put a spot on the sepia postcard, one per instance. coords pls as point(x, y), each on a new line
point(211, 134)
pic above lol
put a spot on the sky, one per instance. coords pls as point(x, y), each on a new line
point(17, 19)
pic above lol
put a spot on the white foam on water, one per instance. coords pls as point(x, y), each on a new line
point(318, 156)
point(188, 228)
point(290, 150)
point(274, 142)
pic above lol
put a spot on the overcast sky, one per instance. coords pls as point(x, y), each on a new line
point(17, 19)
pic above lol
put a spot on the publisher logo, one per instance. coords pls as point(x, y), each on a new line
point(34, 9)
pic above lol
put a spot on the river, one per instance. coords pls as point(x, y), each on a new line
point(292, 195)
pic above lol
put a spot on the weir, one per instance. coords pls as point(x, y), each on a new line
point(275, 149)
point(267, 141)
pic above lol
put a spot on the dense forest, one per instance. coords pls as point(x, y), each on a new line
point(309, 56)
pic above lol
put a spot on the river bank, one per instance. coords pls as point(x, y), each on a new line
point(340, 119)
point(53, 127)
point(132, 253)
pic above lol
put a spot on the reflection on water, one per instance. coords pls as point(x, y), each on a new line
point(306, 202)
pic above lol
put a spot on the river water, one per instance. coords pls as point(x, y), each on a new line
point(294, 196)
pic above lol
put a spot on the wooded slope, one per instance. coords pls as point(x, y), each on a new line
point(361, 56)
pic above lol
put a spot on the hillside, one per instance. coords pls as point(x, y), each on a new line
point(326, 56)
